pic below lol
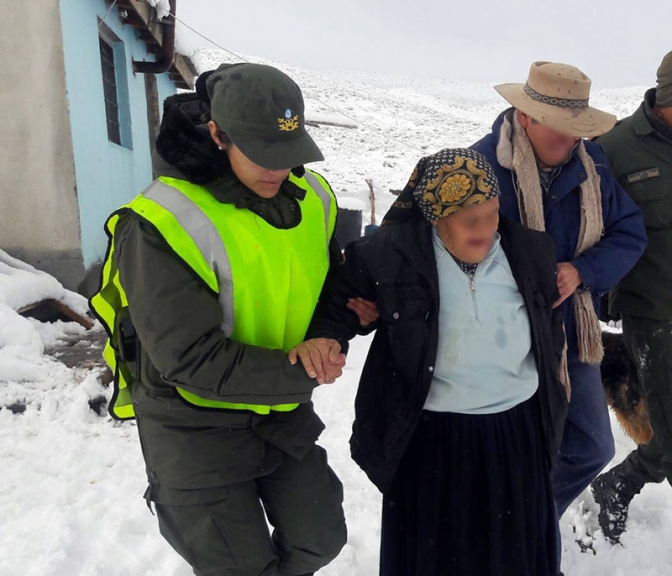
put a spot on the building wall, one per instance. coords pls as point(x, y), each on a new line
point(39, 213)
point(107, 175)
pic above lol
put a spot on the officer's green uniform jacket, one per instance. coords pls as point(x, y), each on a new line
point(639, 150)
point(179, 321)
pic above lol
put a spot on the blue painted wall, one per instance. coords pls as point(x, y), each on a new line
point(107, 175)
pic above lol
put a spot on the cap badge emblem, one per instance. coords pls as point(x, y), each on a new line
point(289, 123)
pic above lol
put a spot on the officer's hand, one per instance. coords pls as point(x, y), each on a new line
point(367, 311)
point(568, 280)
point(321, 357)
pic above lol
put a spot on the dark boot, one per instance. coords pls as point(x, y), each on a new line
point(614, 491)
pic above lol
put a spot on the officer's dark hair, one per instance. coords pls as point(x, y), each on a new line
point(223, 137)
point(202, 91)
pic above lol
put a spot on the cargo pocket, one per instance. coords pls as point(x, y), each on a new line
point(216, 530)
point(187, 523)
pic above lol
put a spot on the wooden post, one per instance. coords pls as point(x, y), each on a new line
point(57, 305)
point(84, 321)
point(372, 200)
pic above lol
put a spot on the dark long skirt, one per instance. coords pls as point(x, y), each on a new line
point(472, 497)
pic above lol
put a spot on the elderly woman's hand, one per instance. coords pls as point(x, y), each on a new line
point(367, 311)
point(321, 357)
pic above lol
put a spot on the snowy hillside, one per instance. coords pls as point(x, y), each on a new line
point(420, 117)
point(71, 482)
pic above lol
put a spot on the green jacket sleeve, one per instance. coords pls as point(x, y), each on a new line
point(178, 321)
point(348, 278)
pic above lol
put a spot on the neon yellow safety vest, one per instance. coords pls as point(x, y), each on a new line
point(252, 266)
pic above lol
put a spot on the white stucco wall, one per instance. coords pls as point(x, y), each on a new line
point(39, 213)
point(60, 176)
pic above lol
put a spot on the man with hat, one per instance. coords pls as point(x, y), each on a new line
point(212, 276)
point(555, 181)
point(639, 150)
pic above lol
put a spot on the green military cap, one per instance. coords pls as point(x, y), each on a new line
point(664, 89)
point(261, 110)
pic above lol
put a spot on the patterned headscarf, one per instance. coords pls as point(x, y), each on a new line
point(451, 180)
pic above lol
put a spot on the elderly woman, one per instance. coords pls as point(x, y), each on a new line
point(461, 403)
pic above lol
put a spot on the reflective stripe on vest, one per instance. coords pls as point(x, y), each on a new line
point(221, 244)
point(204, 234)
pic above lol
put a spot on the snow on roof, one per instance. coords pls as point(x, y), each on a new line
point(162, 7)
point(22, 285)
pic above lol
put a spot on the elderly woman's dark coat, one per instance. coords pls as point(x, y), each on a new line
point(396, 268)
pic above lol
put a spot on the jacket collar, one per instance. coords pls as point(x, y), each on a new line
point(641, 119)
point(505, 144)
point(572, 174)
point(646, 122)
point(184, 144)
point(413, 238)
point(503, 127)
point(518, 244)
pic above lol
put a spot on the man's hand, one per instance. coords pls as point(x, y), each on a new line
point(568, 280)
point(321, 357)
point(367, 311)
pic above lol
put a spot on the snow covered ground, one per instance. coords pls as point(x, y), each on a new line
point(71, 487)
point(71, 482)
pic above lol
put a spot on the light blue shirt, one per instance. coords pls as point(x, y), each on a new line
point(485, 363)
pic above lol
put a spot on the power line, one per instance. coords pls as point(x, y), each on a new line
point(329, 106)
point(210, 40)
point(107, 14)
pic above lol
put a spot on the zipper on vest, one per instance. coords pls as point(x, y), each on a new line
point(472, 286)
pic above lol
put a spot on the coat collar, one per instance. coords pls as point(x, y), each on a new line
point(504, 130)
point(645, 121)
point(413, 238)
point(519, 244)
point(640, 119)
point(505, 144)
point(572, 175)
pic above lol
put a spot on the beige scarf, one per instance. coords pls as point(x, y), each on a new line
point(530, 201)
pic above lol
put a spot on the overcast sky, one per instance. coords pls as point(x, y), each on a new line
point(617, 43)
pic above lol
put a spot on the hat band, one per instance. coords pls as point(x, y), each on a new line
point(559, 102)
